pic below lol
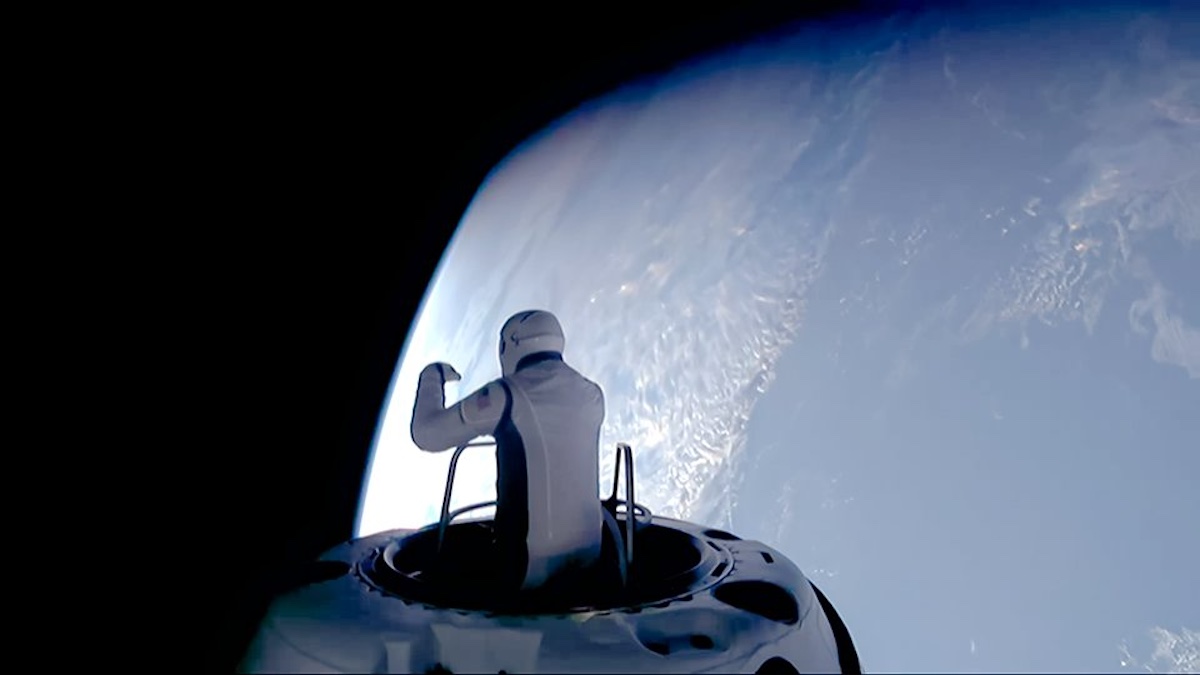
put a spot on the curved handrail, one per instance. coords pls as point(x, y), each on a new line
point(446, 515)
point(631, 507)
point(466, 509)
point(624, 451)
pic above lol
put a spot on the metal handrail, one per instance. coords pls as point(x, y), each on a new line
point(466, 509)
point(631, 507)
point(446, 515)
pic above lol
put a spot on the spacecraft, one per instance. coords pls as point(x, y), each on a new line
point(670, 596)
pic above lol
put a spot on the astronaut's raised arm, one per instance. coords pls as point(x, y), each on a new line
point(436, 428)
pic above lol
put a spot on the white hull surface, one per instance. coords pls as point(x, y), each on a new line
point(697, 600)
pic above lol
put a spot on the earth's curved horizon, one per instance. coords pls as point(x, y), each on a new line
point(915, 301)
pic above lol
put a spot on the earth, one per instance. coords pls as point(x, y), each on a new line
point(914, 300)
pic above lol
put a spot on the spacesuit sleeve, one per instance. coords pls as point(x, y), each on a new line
point(436, 428)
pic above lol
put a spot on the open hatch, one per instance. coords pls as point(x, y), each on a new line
point(451, 564)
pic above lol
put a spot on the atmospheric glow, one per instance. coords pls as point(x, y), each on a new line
point(404, 487)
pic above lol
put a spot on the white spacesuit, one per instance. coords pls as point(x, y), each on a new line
point(546, 418)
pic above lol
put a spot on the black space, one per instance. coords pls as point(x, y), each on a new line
point(326, 159)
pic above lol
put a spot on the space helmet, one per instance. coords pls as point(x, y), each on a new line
point(528, 332)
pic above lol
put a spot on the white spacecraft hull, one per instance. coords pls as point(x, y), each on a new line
point(741, 607)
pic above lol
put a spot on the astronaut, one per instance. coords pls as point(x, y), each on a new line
point(545, 417)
